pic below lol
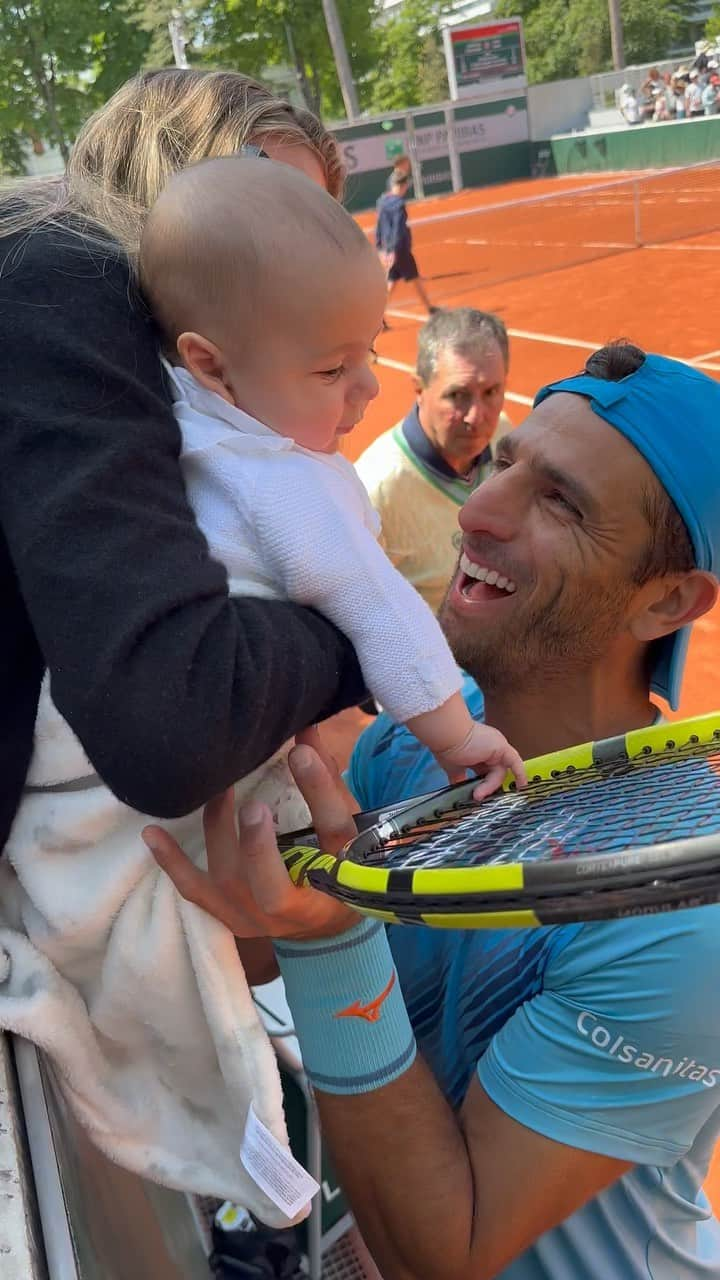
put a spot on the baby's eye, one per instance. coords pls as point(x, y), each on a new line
point(332, 375)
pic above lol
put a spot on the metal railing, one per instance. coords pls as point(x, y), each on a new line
point(605, 85)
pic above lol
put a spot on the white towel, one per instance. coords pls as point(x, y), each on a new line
point(138, 997)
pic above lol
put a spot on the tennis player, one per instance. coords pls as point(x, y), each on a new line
point(393, 240)
point(528, 1105)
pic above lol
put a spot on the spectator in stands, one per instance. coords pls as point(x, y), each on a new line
point(679, 86)
point(693, 96)
point(420, 472)
point(394, 239)
point(710, 96)
point(629, 105)
point(665, 101)
point(653, 85)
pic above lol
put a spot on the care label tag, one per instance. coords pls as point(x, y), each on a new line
point(275, 1170)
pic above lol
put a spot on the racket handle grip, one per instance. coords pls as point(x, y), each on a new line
point(301, 860)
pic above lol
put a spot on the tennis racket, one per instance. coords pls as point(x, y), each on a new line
point(623, 827)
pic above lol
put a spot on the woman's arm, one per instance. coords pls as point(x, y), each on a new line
point(174, 690)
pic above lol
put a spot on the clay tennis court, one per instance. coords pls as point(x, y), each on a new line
point(565, 274)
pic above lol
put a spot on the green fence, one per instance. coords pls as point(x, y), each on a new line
point(489, 139)
point(652, 146)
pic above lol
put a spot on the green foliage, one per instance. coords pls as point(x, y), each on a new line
point(566, 38)
point(58, 60)
point(432, 75)
point(252, 35)
point(712, 26)
point(410, 66)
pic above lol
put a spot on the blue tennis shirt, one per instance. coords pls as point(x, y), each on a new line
point(605, 1037)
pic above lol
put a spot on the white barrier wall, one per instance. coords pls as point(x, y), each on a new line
point(558, 107)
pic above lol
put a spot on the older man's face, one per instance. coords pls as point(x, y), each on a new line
point(560, 529)
point(460, 407)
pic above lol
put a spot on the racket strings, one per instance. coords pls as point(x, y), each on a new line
point(655, 798)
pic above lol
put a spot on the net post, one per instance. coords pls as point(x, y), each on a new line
point(455, 170)
point(637, 218)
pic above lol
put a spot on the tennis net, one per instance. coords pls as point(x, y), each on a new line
point(490, 243)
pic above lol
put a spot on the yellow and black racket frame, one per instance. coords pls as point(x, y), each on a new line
point(635, 881)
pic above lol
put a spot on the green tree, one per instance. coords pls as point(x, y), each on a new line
point(566, 38)
point(410, 63)
point(252, 35)
point(712, 26)
point(58, 60)
point(432, 74)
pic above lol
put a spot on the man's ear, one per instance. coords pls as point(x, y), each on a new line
point(679, 602)
point(206, 363)
point(418, 385)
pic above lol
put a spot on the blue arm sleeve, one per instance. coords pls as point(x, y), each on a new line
point(620, 1051)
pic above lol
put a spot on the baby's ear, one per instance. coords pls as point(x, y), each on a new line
point(205, 362)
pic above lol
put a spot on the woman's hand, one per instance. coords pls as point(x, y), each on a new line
point(246, 885)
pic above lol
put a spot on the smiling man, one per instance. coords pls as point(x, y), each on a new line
point(420, 472)
point(540, 1104)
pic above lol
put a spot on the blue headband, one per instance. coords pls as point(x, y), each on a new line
point(670, 412)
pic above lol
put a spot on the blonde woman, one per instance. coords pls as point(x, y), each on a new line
point(105, 579)
point(112, 605)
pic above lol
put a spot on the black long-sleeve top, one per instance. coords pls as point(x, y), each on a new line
point(174, 689)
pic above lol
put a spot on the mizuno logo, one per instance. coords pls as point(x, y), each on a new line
point(371, 1011)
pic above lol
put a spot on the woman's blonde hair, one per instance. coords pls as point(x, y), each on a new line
point(157, 123)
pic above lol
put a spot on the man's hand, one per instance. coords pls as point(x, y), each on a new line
point(246, 885)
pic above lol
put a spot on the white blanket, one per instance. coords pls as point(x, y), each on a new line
point(138, 997)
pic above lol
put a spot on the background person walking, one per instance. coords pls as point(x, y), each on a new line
point(393, 239)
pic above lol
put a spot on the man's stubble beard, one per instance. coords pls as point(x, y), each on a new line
point(557, 638)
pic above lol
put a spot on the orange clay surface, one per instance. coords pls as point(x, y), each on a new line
point(565, 277)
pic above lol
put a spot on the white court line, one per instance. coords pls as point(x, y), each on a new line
point(545, 244)
point(407, 368)
point(705, 364)
point(552, 338)
point(687, 248)
point(405, 315)
point(707, 356)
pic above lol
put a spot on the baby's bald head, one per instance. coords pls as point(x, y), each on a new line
point(236, 242)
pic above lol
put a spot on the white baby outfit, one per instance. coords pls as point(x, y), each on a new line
point(139, 997)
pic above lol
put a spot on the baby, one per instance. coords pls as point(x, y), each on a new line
point(269, 298)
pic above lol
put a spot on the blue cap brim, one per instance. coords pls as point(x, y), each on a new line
point(669, 658)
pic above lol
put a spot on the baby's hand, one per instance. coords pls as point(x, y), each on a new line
point(483, 748)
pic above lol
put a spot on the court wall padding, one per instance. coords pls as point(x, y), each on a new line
point(651, 146)
point(491, 136)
